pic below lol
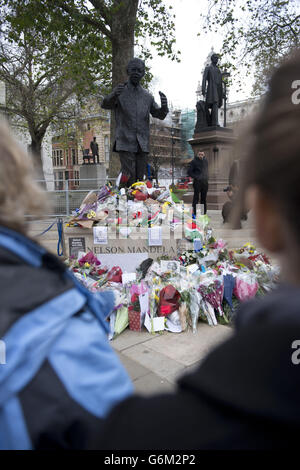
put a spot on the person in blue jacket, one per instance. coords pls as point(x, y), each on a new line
point(59, 377)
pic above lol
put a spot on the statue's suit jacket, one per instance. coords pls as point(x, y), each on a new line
point(132, 110)
point(214, 93)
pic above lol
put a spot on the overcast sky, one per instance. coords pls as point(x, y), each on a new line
point(179, 80)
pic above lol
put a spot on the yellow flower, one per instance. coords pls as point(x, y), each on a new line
point(91, 215)
point(87, 265)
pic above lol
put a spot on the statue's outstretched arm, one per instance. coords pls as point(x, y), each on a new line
point(160, 112)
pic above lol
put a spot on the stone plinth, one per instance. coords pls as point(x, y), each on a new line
point(92, 176)
point(218, 145)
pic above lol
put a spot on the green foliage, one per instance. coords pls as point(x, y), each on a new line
point(93, 28)
point(258, 34)
point(156, 23)
point(70, 47)
point(47, 73)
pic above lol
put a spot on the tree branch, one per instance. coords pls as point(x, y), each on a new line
point(103, 10)
point(83, 17)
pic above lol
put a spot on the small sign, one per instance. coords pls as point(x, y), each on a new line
point(125, 232)
point(100, 235)
point(128, 277)
point(76, 245)
point(154, 324)
point(170, 265)
point(144, 303)
point(155, 236)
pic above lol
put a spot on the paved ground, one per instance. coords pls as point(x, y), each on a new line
point(154, 362)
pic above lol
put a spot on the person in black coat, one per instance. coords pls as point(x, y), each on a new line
point(198, 170)
point(245, 394)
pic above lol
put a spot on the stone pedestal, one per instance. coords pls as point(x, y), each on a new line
point(218, 145)
point(92, 176)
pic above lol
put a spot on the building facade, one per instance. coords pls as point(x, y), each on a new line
point(70, 147)
point(166, 145)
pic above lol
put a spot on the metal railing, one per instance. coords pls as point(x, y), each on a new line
point(67, 195)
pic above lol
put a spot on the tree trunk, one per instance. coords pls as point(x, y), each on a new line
point(122, 29)
point(36, 152)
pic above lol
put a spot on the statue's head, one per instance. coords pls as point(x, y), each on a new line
point(214, 58)
point(136, 70)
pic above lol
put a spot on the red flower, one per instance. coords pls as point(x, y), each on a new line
point(124, 178)
point(139, 196)
point(134, 298)
point(115, 274)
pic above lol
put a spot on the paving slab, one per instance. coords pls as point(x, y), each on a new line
point(162, 365)
point(187, 348)
point(130, 338)
point(145, 381)
point(152, 383)
point(155, 362)
point(135, 370)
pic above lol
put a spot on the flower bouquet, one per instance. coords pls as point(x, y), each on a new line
point(246, 286)
point(168, 300)
point(135, 316)
point(213, 294)
point(194, 308)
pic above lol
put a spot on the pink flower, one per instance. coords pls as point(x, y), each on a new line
point(245, 290)
point(89, 258)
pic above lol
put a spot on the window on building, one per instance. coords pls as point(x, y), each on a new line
point(106, 148)
point(74, 156)
point(76, 178)
point(57, 158)
point(58, 180)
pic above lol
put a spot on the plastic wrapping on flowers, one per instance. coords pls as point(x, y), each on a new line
point(208, 286)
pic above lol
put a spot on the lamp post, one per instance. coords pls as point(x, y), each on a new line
point(225, 75)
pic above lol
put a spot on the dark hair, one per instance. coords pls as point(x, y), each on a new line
point(273, 160)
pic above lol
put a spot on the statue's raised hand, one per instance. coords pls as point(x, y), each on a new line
point(163, 100)
point(119, 88)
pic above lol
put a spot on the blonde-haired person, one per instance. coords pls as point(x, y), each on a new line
point(245, 394)
point(20, 194)
point(58, 374)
